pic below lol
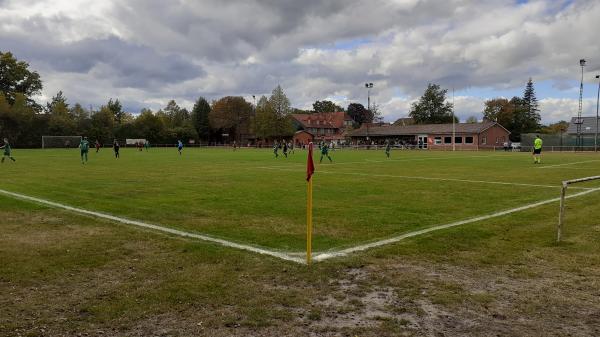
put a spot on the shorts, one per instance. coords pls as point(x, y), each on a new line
point(537, 151)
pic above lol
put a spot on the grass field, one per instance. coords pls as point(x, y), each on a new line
point(65, 274)
point(250, 197)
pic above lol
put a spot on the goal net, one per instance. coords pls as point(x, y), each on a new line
point(64, 142)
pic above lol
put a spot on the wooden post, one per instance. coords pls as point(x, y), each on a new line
point(561, 215)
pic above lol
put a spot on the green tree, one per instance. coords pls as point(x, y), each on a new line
point(359, 114)
point(177, 116)
point(432, 107)
point(16, 120)
point(15, 77)
point(233, 115)
point(499, 110)
point(280, 102)
point(150, 126)
point(519, 118)
point(326, 106)
point(532, 116)
point(200, 120)
point(60, 120)
point(471, 119)
point(103, 124)
point(556, 128)
point(116, 109)
point(82, 119)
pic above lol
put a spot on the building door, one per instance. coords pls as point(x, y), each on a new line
point(422, 141)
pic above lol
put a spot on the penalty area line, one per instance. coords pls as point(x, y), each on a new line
point(351, 250)
point(163, 229)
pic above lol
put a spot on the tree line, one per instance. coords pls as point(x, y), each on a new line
point(227, 119)
point(518, 115)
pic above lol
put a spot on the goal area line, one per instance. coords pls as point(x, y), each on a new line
point(292, 257)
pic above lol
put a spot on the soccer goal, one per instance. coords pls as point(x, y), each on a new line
point(563, 193)
point(64, 142)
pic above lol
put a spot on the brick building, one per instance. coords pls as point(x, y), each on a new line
point(327, 126)
point(468, 136)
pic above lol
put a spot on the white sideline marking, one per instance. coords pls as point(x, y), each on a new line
point(293, 257)
point(574, 163)
point(222, 242)
point(432, 178)
point(344, 252)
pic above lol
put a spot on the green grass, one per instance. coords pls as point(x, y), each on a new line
point(250, 197)
point(65, 274)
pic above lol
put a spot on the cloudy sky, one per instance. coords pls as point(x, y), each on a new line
point(146, 52)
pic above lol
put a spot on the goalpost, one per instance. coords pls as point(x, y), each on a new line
point(563, 192)
point(60, 141)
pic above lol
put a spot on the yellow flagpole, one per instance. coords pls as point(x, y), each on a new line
point(309, 222)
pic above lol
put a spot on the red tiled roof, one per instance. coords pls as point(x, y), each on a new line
point(330, 120)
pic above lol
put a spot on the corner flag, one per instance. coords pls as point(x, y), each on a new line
point(310, 169)
point(310, 166)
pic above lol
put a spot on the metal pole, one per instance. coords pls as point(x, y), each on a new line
point(561, 215)
point(579, 142)
point(453, 124)
point(597, 102)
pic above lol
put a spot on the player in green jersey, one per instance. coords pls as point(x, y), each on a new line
point(325, 152)
point(537, 150)
point(276, 149)
point(84, 146)
point(7, 150)
point(388, 148)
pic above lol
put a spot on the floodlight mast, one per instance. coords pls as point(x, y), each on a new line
point(453, 124)
point(369, 86)
point(579, 120)
point(597, 103)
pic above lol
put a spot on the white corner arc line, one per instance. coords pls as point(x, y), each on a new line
point(221, 242)
point(347, 251)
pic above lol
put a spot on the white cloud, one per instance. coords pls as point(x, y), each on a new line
point(150, 51)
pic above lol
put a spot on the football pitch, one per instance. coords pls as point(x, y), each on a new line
point(249, 198)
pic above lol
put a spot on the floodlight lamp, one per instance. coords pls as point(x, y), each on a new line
point(582, 62)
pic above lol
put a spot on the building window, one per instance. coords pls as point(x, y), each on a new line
point(447, 140)
point(468, 140)
point(458, 140)
point(437, 140)
point(484, 140)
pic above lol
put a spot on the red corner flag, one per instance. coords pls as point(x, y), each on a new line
point(310, 166)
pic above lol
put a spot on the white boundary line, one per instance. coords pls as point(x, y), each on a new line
point(280, 255)
point(367, 161)
point(344, 252)
point(429, 178)
point(222, 242)
point(574, 163)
